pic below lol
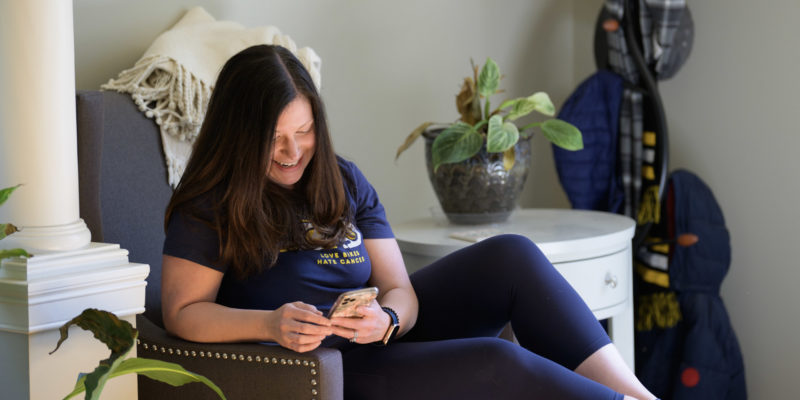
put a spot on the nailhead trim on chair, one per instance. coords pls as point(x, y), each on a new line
point(237, 357)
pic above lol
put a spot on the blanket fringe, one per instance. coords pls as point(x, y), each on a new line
point(167, 92)
point(172, 96)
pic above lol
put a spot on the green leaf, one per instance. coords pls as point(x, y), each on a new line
point(14, 253)
point(562, 134)
point(510, 102)
point(5, 193)
point(457, 143)
point(79, 387)
point(539, 101)
point(119, 335)
point(501, 136)
point(163, 371)
point(522, 107)
point(96, 381)
point(542, 103)
point(412, 138)
point(489, 79)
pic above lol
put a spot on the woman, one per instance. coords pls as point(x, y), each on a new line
point(268, 226)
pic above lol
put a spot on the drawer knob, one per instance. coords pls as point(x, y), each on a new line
point(611, 280)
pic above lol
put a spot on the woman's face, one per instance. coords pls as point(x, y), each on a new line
point(294, 143)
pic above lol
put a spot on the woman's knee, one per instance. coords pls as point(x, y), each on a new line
point(514, 254)
point(509, 241)
point(513, 247)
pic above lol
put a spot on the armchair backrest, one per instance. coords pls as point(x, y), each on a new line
point(123, 182)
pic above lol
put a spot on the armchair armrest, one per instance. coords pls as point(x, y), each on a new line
point(241, 370)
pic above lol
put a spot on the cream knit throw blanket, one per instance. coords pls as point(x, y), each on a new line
point(172, 82)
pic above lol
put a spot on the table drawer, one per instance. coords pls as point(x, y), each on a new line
point(603, 281)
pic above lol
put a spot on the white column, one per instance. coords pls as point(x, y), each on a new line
point(37, 126)
point(67, 273)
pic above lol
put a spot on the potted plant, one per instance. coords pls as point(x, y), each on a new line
point(479, 163)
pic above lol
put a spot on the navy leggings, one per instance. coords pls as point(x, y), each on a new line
point(453, 352)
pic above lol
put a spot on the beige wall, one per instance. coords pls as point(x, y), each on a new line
point(388, 65)
point(732, 115)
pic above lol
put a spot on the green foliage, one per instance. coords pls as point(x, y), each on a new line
point(464, 138)
point(14, 253)
point(561, 133)
point(120, 337)
point(163, 371)
point(7, 228)
point(5, 193)
point(489, 79)
point(502, 135)
point(456, 143)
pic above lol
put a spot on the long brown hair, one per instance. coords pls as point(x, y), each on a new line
point(254, 217)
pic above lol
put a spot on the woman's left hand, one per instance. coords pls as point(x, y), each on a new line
point(371, 327)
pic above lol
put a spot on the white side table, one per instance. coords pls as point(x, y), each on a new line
point(591, 249)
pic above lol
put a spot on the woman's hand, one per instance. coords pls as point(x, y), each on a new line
point(371, 327)
point(298, 326)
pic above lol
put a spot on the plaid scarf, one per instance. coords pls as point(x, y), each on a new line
point(658, 21)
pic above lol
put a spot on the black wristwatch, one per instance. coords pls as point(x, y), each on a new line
point(394, 325)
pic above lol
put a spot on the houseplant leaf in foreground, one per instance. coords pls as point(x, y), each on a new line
point(162, 371)
point(6, 192)
point(117, 334)
point(120, 337)
point(13, 253)
point(7, 229)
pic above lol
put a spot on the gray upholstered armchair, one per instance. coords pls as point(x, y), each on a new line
point(123, 194)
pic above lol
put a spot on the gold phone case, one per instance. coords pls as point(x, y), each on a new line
point(346, 304)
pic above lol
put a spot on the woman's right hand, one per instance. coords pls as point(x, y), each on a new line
point(298, 326)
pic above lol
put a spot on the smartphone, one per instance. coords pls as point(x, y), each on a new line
point(346, 304)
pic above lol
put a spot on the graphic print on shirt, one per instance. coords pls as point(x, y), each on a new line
point(348, 252)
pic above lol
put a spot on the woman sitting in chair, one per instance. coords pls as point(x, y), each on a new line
point(269, 226)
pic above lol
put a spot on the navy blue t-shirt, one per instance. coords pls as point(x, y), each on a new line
point(315, 277)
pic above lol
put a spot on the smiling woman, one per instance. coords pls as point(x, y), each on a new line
point(293, 144)
point(263, 147)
